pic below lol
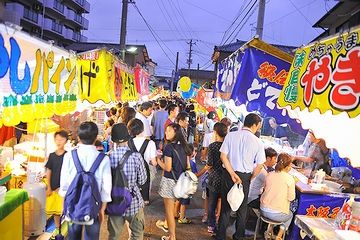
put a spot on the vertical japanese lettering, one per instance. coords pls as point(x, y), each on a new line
point(19, 86)
point(4, 58)
point(35, 79)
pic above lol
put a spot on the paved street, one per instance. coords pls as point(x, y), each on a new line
point(194, 231)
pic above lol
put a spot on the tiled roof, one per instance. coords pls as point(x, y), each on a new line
point(232, 47)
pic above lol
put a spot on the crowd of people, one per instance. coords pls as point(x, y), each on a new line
point(162, 135)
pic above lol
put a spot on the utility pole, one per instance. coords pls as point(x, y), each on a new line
point(176, 70)
point(260, 19)
point(189, 61)
point(123, 29)
point(197, 73)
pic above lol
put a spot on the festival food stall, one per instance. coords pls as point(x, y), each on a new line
point(253, 76)
point(104, 79)
point(322, 91)
point(37, 81)
point(48, 88)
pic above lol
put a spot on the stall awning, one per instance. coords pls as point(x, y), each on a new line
point(322, 90)
point(255, 76)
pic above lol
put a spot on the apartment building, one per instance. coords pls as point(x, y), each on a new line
point(62, 21)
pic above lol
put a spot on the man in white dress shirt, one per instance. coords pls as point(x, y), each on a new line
point(146, 109)
point(239, 152)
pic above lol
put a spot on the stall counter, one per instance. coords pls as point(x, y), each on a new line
point(11, 211)
point(317, 203)
point(4, 179)
point(322, 228)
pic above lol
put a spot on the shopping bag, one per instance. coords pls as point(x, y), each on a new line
point(235, 196)
point(186, 185)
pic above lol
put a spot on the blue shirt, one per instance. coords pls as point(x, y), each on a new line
point(158, 122)
point(244, 150)
point(136, 175)
point(280, 132)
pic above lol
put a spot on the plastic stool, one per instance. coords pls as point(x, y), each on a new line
point(271, 224)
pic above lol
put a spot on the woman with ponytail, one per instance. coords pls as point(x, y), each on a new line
point(176, 161)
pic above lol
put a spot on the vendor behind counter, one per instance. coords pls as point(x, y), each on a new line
point(316, 155)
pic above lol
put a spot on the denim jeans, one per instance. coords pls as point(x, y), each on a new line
point(136, 222)
point(279, 217)
point(91, 232)
point(212, 200)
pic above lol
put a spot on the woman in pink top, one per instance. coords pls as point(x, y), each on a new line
point(275, 204)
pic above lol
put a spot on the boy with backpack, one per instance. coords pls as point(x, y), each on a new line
point(147, 149)
point(129, 172)
point(85, 183)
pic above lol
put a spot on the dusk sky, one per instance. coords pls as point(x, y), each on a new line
point(287, 22)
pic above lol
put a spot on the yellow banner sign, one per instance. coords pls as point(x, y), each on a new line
point(37, 79)
point(96, 76)
point(326, 76)
point(127, 81)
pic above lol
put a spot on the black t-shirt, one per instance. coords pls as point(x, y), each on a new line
point(54, 163)
point(178, 165)
point(215, 162)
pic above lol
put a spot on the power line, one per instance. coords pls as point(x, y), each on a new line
point(192, 33)
point(236, 18)
point(284, 16)
point(252, 6)
point(207, 11)
point(206, 65)
point(253, 10)
point(153, 33)
point(166, 16)
point(297, 9)
point(181, 13)
point(157, 30)
point(174, 16)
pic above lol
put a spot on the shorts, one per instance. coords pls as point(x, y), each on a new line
point(54, 204)
point(166, 188)
point(184, 201)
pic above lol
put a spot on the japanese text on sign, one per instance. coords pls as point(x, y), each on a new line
point(344, 79)
point(322, 212)
point(326, 76)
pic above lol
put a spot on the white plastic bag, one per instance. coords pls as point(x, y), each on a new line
point(235, 196)
point(186, 185)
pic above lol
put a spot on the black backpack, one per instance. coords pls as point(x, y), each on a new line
point(144, 187)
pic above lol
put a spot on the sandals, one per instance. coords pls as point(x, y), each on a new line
point(167, 238)
point(161, 224)
point(184, 221)
point(204, 218)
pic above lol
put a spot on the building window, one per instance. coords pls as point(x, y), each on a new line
point(80, 2)
point(31, 15)
point(76, 36)
point(58, 6)
point(57, 27)
point(78, 18)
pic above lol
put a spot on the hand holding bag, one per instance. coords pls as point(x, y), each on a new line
point(235, 197)
point(187, 183)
